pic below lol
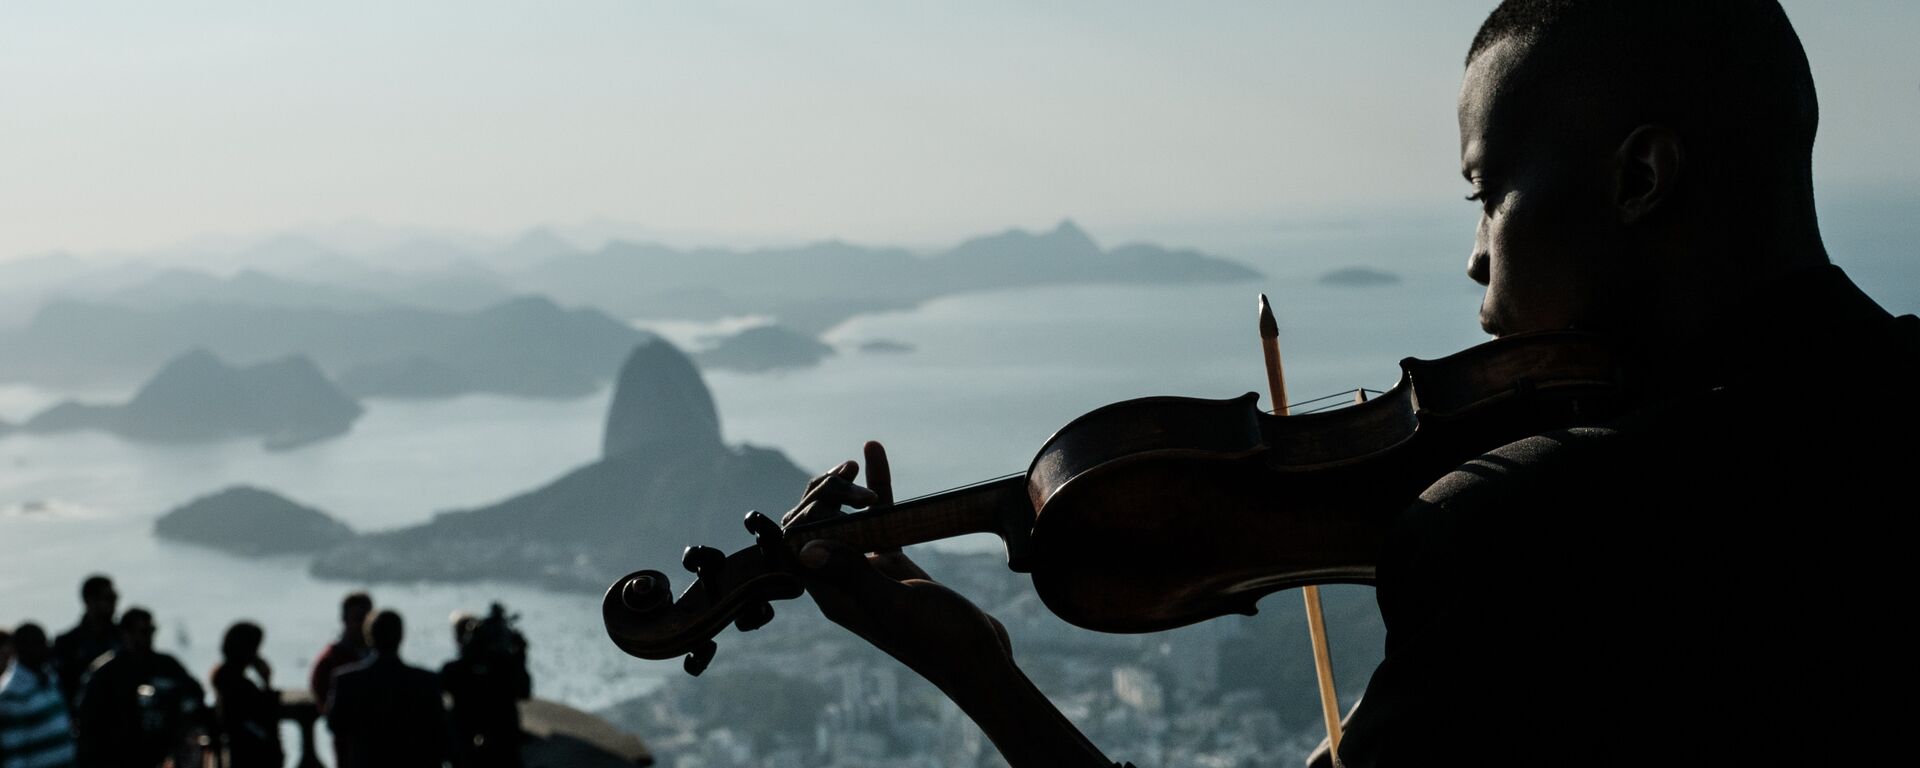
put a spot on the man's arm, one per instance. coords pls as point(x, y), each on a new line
point(886, 599)
point(320, 681)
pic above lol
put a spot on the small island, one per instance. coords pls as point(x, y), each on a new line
point(765, 348)
point(196, 397)
point(250, 521)
point(885, 347)
point(1359, 277)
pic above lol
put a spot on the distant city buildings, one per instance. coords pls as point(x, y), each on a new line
point(1169, 700)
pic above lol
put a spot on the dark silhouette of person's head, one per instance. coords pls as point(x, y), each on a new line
point(30, 645)
point(97, 594)
point(354, 609)
point(30, 648)
point(136, 632)
point(1639, 163)
point(384, 630)
point(463, 624)
point(241, 644)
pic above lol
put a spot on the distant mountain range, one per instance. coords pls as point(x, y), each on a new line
point(438, 319)
point(527, 346)
point(811, 288)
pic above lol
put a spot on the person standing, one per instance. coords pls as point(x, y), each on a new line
point(248, 710)
point(137, 704)
point(349, 649)
point(34, 729)
point(487, 683)
point(75, 650)
point(385, 713)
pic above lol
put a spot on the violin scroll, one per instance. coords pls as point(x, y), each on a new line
point(645, 620)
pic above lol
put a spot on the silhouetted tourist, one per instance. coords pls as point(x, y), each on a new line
point(463, 623)
point(137, 705)
point(248, 709)
point(350, 648)
point(75, 650)
point(487, 682)
point(385, 713)
point(34, 729)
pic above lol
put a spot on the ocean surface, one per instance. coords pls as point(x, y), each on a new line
point(988, 378)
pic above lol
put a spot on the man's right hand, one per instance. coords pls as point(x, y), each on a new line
point(885, 597)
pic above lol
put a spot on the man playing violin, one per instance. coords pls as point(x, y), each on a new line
point(1707, 578)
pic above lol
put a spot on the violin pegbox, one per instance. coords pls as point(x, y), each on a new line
point(647, 620)
point(771, 541)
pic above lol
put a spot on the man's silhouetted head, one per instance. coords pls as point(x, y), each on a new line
point(1638, 162)
point(96, 593)
point(30, 645)
point(354, 609)
point(241, 644)
point(136, 631)
point(384, 630)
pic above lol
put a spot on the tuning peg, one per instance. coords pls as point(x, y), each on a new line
point(697, 661)
point(763, 527)
point(753, 617)
point(701, 560)
point(645, 591)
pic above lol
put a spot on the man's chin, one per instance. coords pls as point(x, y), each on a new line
point(1493, 326)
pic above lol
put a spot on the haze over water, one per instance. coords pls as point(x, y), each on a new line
point(990, 375)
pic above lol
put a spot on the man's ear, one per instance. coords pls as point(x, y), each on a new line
point(1646, 172)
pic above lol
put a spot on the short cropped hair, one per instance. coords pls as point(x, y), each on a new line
point(1729, 76)
point(134, 616)
point(384, 630)
point(242, 639)
point(95, 585)
point(29, 636)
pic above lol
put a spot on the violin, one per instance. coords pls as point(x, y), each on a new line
point(1160, 512)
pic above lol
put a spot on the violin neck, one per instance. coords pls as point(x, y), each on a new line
point(1000, 507)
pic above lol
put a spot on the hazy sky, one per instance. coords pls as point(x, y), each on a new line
point(137, 124)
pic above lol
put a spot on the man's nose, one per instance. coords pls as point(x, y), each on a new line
point(1477, 267)
point(1477, 262)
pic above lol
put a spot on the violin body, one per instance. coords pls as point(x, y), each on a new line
point(1160, 512)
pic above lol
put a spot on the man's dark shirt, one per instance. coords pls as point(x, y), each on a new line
point(1717, 578)
point(135, 710)
point(386, 714)
point(486, 694)
point(338, 654)
point(75, 650)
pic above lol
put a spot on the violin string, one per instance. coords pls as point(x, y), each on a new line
point(1327, 407)
point(1294, 408)
point(976, 484)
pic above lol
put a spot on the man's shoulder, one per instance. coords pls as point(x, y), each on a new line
point(353, 671)
point(169, 664)
point(1552, 462)
point(69, 637)
point(421, 676)
point(338, 652)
